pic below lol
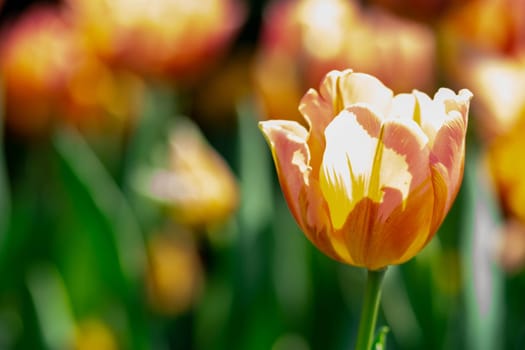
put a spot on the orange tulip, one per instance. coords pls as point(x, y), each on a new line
point(374, 176)
point(161, 39)
point(50, 76)
point(294, 53)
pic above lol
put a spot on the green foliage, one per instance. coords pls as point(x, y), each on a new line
point(380, 340)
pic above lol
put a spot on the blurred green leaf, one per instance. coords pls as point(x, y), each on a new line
point(256, 205)
point(88, 182)
point(431, 306)
point(52, 306)
point(28, 239)
point(255, 172)
point(483, 279)
point(102, 213)
point(148, 136)
point(380, 339)
point(159, 110)
point(398, 311)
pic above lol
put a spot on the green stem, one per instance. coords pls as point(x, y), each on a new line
point(367, 325)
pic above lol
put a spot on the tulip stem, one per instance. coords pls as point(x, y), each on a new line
point(367, 324)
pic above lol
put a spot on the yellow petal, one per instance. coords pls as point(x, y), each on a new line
point(397, 227)
point(347, 163)
point(357, 164)
point(339, 90)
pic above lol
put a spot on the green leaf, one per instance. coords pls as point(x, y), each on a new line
point(89, 183)
point(52, 306)
point(398, 311)
point(149, 135)
point(380, 339)
point(484, 280)
point(101, 212)
point(158, 112)
point(255, 174)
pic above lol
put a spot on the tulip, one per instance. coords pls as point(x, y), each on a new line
point(50, 77)
point(373, 177)
point(294, 53)
point(195, 183)
point(483, 46)
point(159, 39)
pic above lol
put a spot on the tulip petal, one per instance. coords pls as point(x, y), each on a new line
point(346, 88)
point(403, 106)
point(444, 107)
point(447, 161)
point(287, 140)
point(291, 156)
point(318, 114)
point(318, 226)
point(338, 91)
point(378, 232)
point(448, 150)
point(345, 172)
point(402, 230)
point(357, 163)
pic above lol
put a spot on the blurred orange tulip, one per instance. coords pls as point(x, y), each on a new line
point(422, 10)
point(33, 76)
point(50, 76)
point(495, 81)
point(488, 25)
point(162, 38)
point(295, 52)
point(483, 49)
point(375, 175)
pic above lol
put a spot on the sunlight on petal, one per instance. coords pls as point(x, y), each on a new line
point(347, 176)
point(345, 173)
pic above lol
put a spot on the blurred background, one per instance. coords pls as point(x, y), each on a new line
point(139, 206)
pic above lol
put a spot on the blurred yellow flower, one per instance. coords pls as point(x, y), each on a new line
point(50, 76)
point(197, 185)
point(295, 53)
point(94, 334)
point(375, 175)
point(175, 275)
point(505, 154)
point(162, 38)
